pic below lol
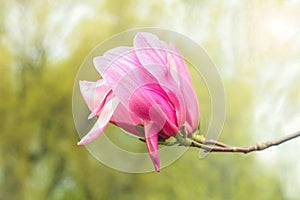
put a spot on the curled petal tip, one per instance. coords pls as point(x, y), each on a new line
point(80, 143)
point(157, 168)
point(92, 115)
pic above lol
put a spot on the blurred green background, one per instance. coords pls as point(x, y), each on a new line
point(255, 45)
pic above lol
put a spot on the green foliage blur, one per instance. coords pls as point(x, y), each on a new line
point(41, 48)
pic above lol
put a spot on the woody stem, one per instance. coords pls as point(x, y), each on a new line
point(199, 141)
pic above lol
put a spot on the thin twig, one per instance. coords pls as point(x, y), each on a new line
point(208, 145)
point(201, 139)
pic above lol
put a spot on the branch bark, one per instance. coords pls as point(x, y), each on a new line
point(208, 145)
point(199, 141)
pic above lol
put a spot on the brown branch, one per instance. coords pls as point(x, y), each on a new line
point(215, 146)
point(199, 141)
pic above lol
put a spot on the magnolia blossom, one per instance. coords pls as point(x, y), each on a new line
point(145, 87)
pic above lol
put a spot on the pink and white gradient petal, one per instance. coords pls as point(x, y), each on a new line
point(104, 118)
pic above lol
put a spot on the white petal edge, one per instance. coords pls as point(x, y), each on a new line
point(102, 121)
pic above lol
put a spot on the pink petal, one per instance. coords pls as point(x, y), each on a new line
point(104, 117)
point(177, 63)
point(154, 55)
point(187, 91)
point(172, 74)
point(151, 136)
point(95, 94)
point(191, 103)
point(150, 97)
point(122, 71)
point(126, 120)
point(116, 64)
point(151, 49)
point(125, 75)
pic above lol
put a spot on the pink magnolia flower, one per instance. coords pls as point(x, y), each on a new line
point(147, 85)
